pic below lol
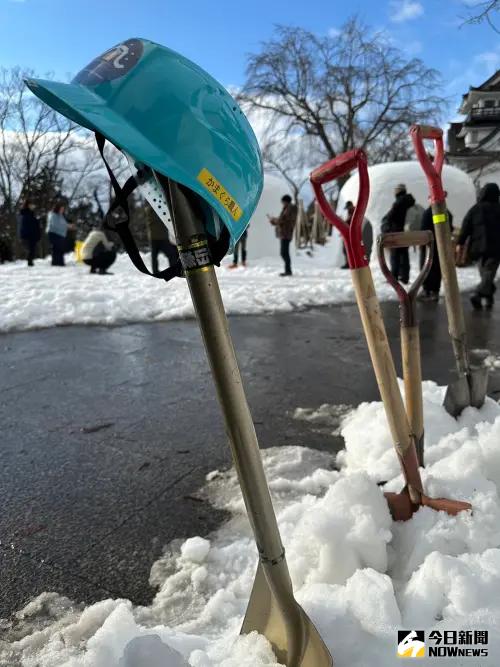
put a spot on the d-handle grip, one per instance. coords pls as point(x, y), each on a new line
point(405, 239)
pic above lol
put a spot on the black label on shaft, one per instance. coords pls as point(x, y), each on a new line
point(195, 255)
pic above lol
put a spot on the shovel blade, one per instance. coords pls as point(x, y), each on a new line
point(468, 390)
point(402, 508)
point(400, 505)
point(452, 507)
point(457, 396)
point(294, 638)
point(478, 381)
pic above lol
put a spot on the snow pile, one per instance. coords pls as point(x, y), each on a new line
point(358, 575)
point(384, 178)
point(329, 416)
point(261, 240)
point(492, 361)
point(46, 296)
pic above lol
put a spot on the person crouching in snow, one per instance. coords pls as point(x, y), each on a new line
point(285, 224)
point(98, 252)
point(242, 243)
point(481, 228)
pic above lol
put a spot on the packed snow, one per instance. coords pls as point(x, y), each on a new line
point(461, 192)
point(359, 575)
point(47, 296)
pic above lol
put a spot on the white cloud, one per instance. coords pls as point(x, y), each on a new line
point(413, 47)
point(491, 59)
point(333, 32)
point(405, 10)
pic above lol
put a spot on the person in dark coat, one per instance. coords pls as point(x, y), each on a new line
point(432, 283)
point(349, 207)
point(29, 230)
point(98, 251)
point(285, 224)
point(159, 241)
point(242, 244)
point(394, 221)
point(481, 229)
point(367, 237)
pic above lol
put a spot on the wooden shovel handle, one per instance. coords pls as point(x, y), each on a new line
point(381, 356)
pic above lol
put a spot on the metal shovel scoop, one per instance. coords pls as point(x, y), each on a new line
point(402, 505)
point(471, 386)
point(272, 610)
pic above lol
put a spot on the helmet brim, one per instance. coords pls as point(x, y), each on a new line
point(95, 115)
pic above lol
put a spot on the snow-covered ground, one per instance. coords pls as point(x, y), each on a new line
point(46, 296)
point(359, 575)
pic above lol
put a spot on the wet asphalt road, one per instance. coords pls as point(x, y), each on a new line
point(107, 433)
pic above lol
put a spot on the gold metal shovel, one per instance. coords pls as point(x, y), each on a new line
point(272, 610)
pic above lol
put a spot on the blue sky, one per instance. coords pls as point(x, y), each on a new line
point(63, 35)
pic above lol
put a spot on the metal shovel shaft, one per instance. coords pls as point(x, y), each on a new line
point(212, 320)
point(272, 610)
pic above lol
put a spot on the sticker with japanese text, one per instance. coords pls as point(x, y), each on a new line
point(218, 191)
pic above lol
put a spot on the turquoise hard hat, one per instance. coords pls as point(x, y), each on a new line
point(167, 113)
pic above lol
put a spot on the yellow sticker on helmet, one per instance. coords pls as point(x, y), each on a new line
point(220, 193)
point(440, 217)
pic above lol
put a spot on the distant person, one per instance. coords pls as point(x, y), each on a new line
point(349, 207)
point(159, 242)
point(57, 231)
point(29, 230)
point(413, 219)
point(98, 252)
point(367, 238)
point(481, 229)
point(242, 244)
point(5, 251)
point(432, 283)
point(285, 224)
point(366, 234)
point(394, 221)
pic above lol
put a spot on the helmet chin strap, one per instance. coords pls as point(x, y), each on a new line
point(218, 247)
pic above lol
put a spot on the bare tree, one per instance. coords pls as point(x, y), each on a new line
point(483, 11)
point(39, 150)
point(32, 137)
point(351, 90)
point(289, 157)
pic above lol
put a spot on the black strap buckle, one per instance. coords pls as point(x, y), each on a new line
point(117, 219)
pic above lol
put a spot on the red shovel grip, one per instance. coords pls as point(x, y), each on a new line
point(429, 132)
point(432, 170)
point(340, 166)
